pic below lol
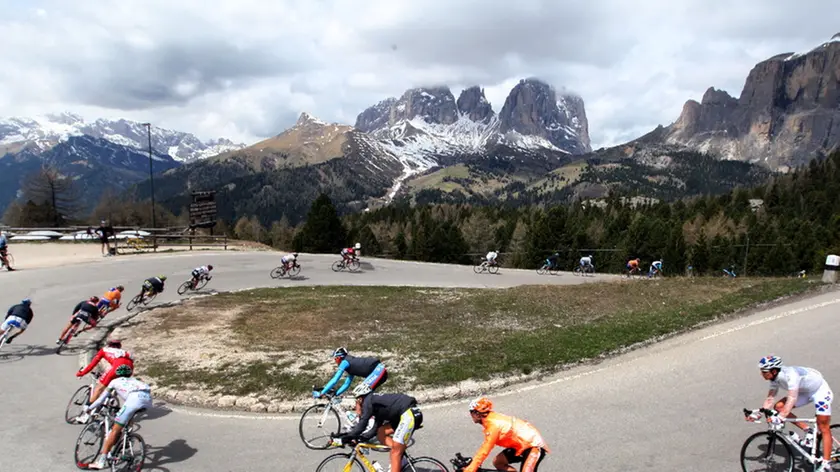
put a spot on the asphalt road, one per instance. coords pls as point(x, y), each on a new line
point(673, 406)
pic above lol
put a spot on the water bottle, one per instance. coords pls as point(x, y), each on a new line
point(376, 465)
point(794, 437)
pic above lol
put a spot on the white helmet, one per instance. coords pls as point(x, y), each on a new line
point(358, 246)
point(770, 362)
point(361, 390)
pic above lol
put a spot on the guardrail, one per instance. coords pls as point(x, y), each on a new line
point(127, 238)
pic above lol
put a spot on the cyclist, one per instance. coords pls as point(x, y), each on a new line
point(398, 410)
point(110, 301)
point(490, 258)
point(586, 261)
point(552, 260)
point(4, 247)
point(19, 316)
point(135, 395)
point(633, 265)
point(655, 266)
point(114, 355)
point(198, 273)
point(804, 385)
point(288, 260)
point(153, 285)
point(522, 442)
point(86, 311)
point(350, 253)
point(370, 368)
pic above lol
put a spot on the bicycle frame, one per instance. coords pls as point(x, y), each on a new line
point(813, 456)
point(334, 403)
point(358, 453)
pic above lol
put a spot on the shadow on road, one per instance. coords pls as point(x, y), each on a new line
point(174, 452)
point(12, 353)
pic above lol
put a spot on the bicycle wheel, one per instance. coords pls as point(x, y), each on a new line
point(355, 265)
point(493, 269)
point(134, 302)
point(295, 270)
point(131, 457)
point(10, 261)
point(424, 464)
point(339, 462)
point(149, 299)
point(202, 282)
point(3, 338)
point(577, 270)
point(766, 451)
point(337, 266)
point(276, 272)
point(75, 406)
point(89, 443)
point(553, 271)
point(478, 269)
point(67, 337)
point(315, 435)
point(542, 270)
point(182, 289)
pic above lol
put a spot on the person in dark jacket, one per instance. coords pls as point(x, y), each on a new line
point(18, 316)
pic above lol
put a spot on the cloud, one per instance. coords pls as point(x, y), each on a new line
point(245, 69)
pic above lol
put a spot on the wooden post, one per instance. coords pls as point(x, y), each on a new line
point(225, 241)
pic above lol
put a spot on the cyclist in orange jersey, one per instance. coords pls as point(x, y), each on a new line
point(111, 300)
point(522, 442)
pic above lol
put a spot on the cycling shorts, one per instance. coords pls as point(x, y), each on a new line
point(15, 321)
point(134, 402)
point(377, 377)
point(111, 374)
point(196, 273)
point(81, 316)
point(821, 399)
point(410, 420)
point(530, 461)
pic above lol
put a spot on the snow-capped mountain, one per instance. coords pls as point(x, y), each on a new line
point(426, 124)
point(45, 131)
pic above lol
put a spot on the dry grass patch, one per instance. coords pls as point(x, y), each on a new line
point(277, 341)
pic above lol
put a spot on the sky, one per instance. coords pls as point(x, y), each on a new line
point(246, 69)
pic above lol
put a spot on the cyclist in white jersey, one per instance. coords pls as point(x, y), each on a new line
point(199, 272)
point(135, 396)
point(804, 385)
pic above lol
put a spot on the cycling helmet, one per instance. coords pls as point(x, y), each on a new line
point(162, 277)
point(361, 390)
point(124, 371)
point(94, 299)
point(295, 254)
point(115, 343)
point(120, 288)
point(770, 362)
point(26, 302)
point(340, 352)
point(481, 405)
point(358, 246)
point(209, 267)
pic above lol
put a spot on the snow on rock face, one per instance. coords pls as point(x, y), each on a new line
point(44, 131)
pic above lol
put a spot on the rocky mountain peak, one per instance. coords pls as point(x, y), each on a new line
point(714, 96)
point(433, 104)
point(474, 105)
point(376, 117)
point(532, 108)
point(305, 119)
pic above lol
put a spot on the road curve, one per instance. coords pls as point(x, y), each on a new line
point(675, 404)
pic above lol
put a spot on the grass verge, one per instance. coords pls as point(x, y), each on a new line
point(435, 337)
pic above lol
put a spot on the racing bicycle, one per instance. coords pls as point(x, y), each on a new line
point(635, 272)
point(129, 451)
point(774, 450)
point(352, 266)
point(143, 298)
point(357, 460)
point(81, 396)
point(13, 328)
point(548, 268)
point(324, 419)
point(485, 266)
point(587, 269)
point(71, 333)
point(280, 271)
point(188, 285)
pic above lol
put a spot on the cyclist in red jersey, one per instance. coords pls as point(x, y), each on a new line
point(115, 357)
